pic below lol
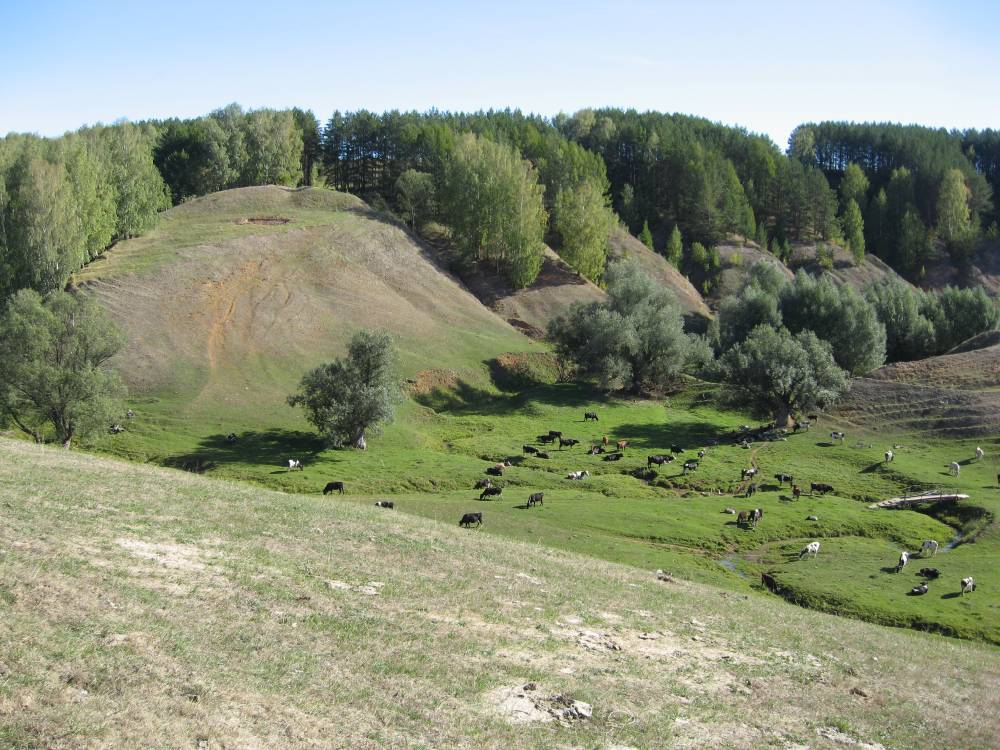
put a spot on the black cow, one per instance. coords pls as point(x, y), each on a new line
point(567, 441)
point(333, 487)
point(542, 454)
point(751, 490)
point(676, 449)
point(596, 450)
point(546, 439)
point(494, 471)
point(231, 437)
point(755, 516)
point(930, 572)
point(555, 434)
point(480, 483)
point(769, 583)
point(591, 415)
point(690, 466)
point(782, 478)
point(820, 488)
point(658, 460)
point(384, 504)
point(613, 457)
point(529, 449)
point(536, 499)
point(471, 518)
point(491, 492)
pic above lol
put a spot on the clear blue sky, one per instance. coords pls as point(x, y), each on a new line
point(765, 65)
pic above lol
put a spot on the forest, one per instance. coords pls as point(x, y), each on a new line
point(505, 183)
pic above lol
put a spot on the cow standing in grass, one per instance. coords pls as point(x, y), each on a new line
point(810, 549)
point(590, 416)
point(929, 545)
point(904, 557)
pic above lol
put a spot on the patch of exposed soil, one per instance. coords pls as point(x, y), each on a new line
point(265, 220)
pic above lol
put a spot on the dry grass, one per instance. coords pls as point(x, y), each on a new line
point(147, 607)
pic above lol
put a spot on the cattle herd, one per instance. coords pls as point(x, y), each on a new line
point(748, 519)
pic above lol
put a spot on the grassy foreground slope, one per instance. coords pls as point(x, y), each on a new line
point(150, 607)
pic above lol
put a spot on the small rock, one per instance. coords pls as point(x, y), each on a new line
point(340, 585)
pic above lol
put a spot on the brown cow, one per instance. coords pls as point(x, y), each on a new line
point(622, 445)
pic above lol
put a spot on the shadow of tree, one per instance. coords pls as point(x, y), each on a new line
point(689, 436)
point(274, 447)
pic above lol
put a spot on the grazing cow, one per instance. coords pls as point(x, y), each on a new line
point(115, 429)
point(749, 473)
point(769, 583)
point(129, 414)
point(622, 445)
point(658, 460)
point(384, 504)
point(954, 468)
point(536, 499)
point(904, 557)
point(919, 590)
point(979, 453)
point(333, 487)
point(294, 463)
point(690, 466)
point(889, 455)
point(810, 549)
point(578, 474)
point(929, 545)
point(751, 489)
point(968, 585)
point(796, 491)
point(755, 516)
point(481, 483)
point(491, 492)
point(838, 436)
point(596, 450)
point(812, 417)
point(702, 453)
point(231, 438)
point(541, 454)
point(591, 415)
point(820, 487)
point(471, 518)
point(604, 441)
point(545, 439)
point(567, 441)
point(613, 457)
point(743, 519)
point(555, 434)
point(782, 478)
point(361, 444)
point(529, 449)
point(812, 518)
point(676, 449)
point(495, 471)
point(930, 572)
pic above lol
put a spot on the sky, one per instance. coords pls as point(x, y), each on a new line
point(766, 66)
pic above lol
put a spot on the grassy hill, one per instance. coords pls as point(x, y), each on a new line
point(235, 295)
point(145, 606)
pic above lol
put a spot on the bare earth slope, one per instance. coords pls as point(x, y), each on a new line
point(221, 303)
point(954, 394)
point(147, 607)
point(624, 244)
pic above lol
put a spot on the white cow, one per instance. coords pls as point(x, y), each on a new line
point(578, 474)
point(889, 455)
point(904, 557)
point(968, 584)
point(810, 549)
point(838, 436)
point(294, 463)
point(954, 468)
point(979, 452)
point(929, 545)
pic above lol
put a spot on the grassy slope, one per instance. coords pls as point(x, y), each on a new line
point(148, 607)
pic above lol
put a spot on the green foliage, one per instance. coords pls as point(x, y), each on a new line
point(912, 247)
point(738, 315)
point(674, 250)
point(582, 217)
point(273, 144)
point(415, 196)
point(53, 356)
point(908, 333)
point(646, 236)
point(698, 257)
point(853, 186)
point(492, 201)
point(838, 315)
point(139, 190)
point(854, 230)
point(824, 256)
point(766, 275)
point(350, 397)
point(953, 208)
point(635, 340)
point(784, 374)
point(963, 314)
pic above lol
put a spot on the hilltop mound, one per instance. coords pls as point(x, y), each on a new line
point(845, 269)
point(982, 340)
point(953, 394)
point(181, 611)
point(623, 244)
point(236, 294)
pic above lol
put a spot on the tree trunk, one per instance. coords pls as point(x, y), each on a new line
point(783, 416)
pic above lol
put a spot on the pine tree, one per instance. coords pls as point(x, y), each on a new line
point(854, 230)
point(646, 236)
point(674, 250)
